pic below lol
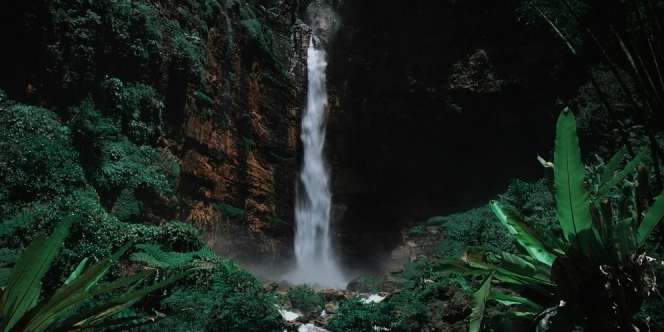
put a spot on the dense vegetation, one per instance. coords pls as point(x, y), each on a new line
point(92, 97)
point(89, 95)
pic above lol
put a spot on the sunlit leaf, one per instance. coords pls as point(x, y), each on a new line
point(479, 305)
point(572, 202)
point(524, 235)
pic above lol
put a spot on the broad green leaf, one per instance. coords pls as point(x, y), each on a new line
point(525, 314)
point(517, 264)
point(108, 308)
point(456, 268)
point(617, 178)
point(476, 260)
point(653, 217)
point(522, 270)
point(479, 304)
point(70, 297)
point(77, 272)
point(524, 235)
point(24, 284)
point(5, 272)
point(72, 294)
point(510, 300)
point(612, 166)
point(571, 197)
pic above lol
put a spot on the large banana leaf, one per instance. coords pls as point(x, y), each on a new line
point(524, 235)
point(24, 285)
point(653, 217)
point(479, 304)
point(572, 203)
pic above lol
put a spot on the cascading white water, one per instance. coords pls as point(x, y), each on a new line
point(316, 264)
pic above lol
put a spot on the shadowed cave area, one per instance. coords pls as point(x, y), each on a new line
point(432, 115)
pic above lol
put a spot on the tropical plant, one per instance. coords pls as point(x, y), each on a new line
point(82, 302)
point(595, 275)
point(631, 50)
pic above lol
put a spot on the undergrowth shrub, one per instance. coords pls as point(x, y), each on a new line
point(138, 108)
point(133, 39)
point(221, 297)
point(306, 300)
point(229, 211)
point(354, 315)
point(474, 228)
point(37, 162)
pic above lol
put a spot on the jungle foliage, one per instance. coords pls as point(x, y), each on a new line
point(82, 302)
point(596, 275)
point(94, 91)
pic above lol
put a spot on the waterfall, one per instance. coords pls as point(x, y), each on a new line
point(316, 264)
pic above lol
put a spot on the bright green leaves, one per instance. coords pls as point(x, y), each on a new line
point(612, 166)
point(652, 218)
point(22, 310)
point(24, 286)
point(510, 300)
point(524, 235)
point(572, 203)
point(479, 304)
point(610, 178)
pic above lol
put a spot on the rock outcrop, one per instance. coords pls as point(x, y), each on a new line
point(239, 162)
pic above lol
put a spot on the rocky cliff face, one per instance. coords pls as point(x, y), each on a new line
point(217, 85)
point(239, 166)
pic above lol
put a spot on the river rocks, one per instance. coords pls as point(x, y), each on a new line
point(335, 295)
point(271, 286)
point(331, 308)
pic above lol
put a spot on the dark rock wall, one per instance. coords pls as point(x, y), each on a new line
point(435, 106)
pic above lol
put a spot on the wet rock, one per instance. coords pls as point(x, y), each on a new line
point(355, 285)
point(391, 285)
point(334, 295)
point(271, 286)
point(331, 308)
